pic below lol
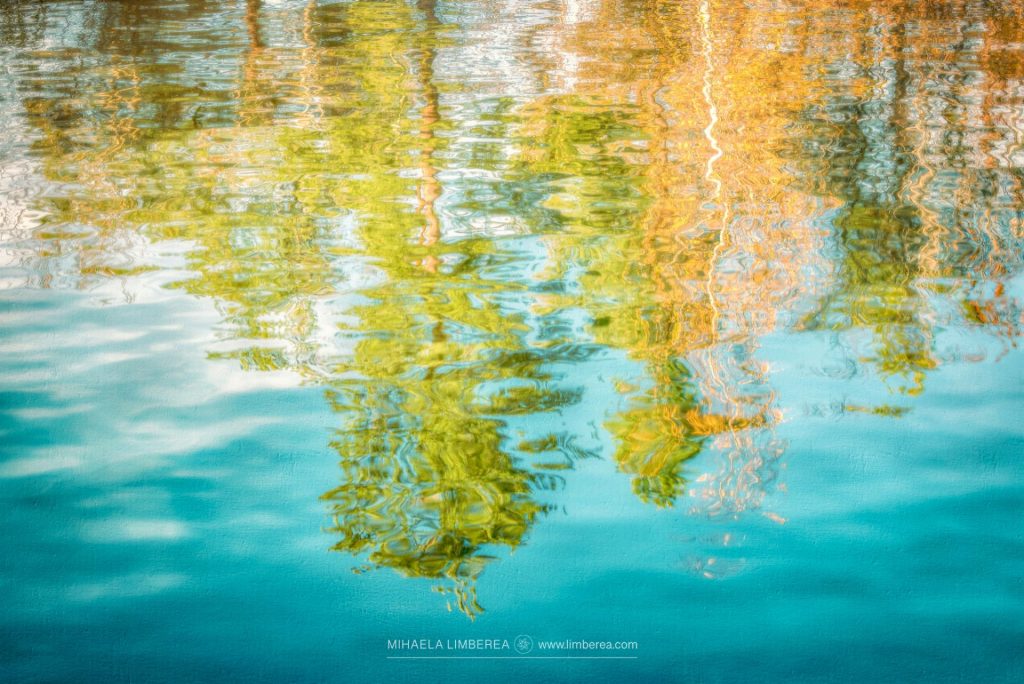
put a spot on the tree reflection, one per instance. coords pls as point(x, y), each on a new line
point(443, 216)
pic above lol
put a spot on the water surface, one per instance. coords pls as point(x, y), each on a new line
point(693, 324)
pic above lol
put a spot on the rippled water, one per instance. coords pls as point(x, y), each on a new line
point(688, 323)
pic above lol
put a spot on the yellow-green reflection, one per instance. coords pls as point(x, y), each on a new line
point(444, 213)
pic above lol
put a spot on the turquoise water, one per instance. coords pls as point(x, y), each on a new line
point(692, 327)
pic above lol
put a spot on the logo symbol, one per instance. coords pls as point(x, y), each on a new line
point(524, 643)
